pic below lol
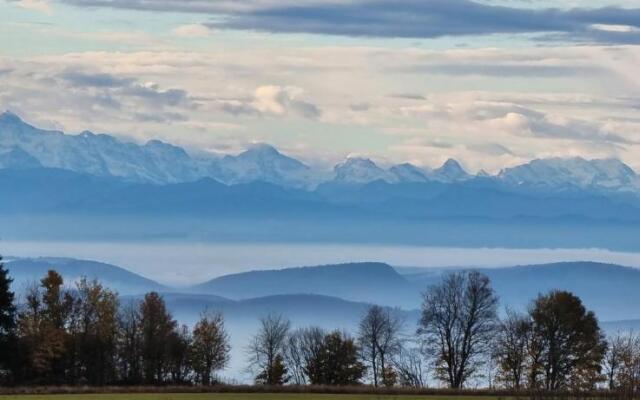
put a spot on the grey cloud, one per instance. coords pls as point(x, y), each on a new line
point(534, 123)
point(436, 18)
point(262, 104)
point(112, 87)
point(407, 96)
point(540, 126)
point(438, 144)
point(107, 101)
point(160, 117)
point(398, 18)
point(501, 70)
point(493, 149)
point(83, 79)
point(576, 131)
point(239, 108)
point(170, 97)
point(360, 107)
point(306, 109)
point(190, 6)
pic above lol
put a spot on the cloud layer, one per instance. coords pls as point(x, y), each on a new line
point(518, 80)
point(323, 103)
point(403, 18)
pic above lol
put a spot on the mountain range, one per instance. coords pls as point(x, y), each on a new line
point(609, 290)
point(359, 282)
point(27, 271)
point(57, 186)
point(337, 296)
point(23, 146)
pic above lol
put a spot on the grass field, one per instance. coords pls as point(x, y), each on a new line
point(234, 396)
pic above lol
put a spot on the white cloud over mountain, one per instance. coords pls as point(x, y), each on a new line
point(487, 101)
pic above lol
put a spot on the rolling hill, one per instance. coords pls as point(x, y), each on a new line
point(364, 282)
point(609, 290)
point(26, 271)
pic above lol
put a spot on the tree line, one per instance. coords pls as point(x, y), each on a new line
point(86, 336)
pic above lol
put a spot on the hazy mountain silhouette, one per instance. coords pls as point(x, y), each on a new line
point(364, 282)
point(26, 271)
point(609, 290)
point(25, 146)
point(57, 191)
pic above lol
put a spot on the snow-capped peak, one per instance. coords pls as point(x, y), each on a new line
point(577, 171)
point(263, 149)
point(407, 172)
point(263, 162)
point(359, 170)
point(450, 171)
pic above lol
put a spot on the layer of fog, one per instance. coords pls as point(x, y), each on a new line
point(184, 263)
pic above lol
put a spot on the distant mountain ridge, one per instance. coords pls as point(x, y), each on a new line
point(26, 146)
point(26, 271)
point(607, 174)
point(59, 192)
point(608, 289)
point(364, 282)
point(23, 146)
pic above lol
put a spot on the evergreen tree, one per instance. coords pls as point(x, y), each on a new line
point(274, 374)
point(7, 319)
point(337, 363)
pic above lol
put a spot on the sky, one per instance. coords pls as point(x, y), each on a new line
point(491, 83)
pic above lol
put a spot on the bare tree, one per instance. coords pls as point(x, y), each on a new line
point(510, 349)
point(370, 330)
point(622, 364)
point(613, 360)
point(266, 350)
point(379, 339)
point(304, 345)
point(294, 358)
point(410, 367)
point(130, 344)
point(458, 318)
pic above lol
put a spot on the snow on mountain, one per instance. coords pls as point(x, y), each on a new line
point(96, 154)
point(363, 170)
point(359, 170)
point(262, 162)
point(450, 171)
point(408, 173)
point(608, 174)
point(23, 146)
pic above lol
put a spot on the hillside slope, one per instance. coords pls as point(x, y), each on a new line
point(609, 290)
point(367, 282)
point(26, 271)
